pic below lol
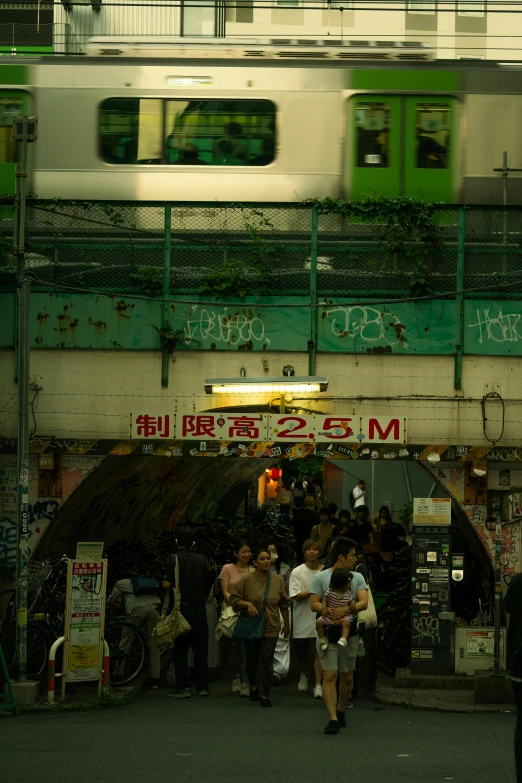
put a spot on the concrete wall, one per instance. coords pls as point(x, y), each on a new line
point(42, 508)
point(90, 394)
point(388, 484)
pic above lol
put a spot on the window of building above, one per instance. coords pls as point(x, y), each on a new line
point(471, 8)
point(421, 7)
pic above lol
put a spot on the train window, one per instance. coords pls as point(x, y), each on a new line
point(9, 108)
point(432, 129)
point(373, 128)
point(188, 132)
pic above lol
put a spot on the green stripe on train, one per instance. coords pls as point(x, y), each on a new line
point(14, 74)
point(418, 81)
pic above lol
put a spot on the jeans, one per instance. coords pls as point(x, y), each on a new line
point(197, 640)
point(261, 651)
point(237, 657)
point(517, 689)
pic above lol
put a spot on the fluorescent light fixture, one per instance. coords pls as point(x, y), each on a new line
point(283, 385)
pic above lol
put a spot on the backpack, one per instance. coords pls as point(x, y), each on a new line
point(144, 585)
point(351, 498)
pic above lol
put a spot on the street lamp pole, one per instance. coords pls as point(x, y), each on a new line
point(24, 132)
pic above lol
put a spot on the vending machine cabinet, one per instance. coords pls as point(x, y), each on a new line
point(431, 597)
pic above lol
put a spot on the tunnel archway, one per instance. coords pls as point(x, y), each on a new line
point(129, 497)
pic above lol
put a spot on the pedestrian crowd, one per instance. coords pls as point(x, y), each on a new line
point(318, 605)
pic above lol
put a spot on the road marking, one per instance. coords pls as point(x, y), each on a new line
point(183, 754)
point(403, 755)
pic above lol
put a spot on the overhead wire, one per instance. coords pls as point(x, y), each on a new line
point(32, 277)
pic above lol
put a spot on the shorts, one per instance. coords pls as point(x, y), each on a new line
point(339, 659)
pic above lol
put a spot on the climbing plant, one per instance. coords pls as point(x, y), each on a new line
point(407, 231)
point(171, 337)
point(238, 276)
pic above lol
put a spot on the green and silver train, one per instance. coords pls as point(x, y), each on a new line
point(263, 122)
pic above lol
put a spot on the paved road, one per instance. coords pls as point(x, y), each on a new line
point(225, 739)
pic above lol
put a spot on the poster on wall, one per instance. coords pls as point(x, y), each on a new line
point(481, 644)
point(8, 514)
point(84, 619)
point(432, 511)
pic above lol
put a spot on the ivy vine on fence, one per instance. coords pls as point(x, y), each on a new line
point(408, 234)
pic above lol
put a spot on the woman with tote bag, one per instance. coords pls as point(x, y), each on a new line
point(260, 596)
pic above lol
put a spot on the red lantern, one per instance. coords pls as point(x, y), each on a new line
point(275, 473)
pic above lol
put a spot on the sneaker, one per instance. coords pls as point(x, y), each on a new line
point(179, 693)
point(265, 702)
point(332, 728)
point(303, 683)
point(254, 695)
point(342, 642)
point(203, 692)
point(236, 685)
point(341, 719)
point(349, 704)
point(276, 679)
point(245, 691)
point(318, 691)
point(152, 683)
point(323, 644)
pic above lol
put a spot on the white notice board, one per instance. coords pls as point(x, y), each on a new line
point(84, 619)
point(432, 511)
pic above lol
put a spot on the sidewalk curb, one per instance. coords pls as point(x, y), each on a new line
point(437, 701)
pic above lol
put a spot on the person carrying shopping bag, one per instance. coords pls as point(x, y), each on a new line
point(261, 596)
point(230, 575)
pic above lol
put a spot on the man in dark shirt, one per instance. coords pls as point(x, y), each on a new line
point(196, 578)
point(513, 607)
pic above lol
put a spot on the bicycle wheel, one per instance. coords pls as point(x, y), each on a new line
point(37, 650)
point(126, 650)
point(393, 643)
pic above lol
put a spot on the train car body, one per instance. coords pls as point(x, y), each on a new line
point(255, 128)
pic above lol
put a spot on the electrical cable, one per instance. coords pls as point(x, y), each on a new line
point(363, 303)
point(31, 405)
point(492, 396)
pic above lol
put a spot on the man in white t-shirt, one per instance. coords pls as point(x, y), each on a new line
point(358, 492)
point(304, 633)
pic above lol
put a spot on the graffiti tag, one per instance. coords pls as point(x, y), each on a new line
point(225, 328)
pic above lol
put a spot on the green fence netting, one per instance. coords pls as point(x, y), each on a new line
point(259, 250)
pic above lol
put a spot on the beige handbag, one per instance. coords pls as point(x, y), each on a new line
point(170, 626)
point(227, 623)
point(368, 616)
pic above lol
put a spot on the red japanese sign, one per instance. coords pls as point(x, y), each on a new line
point(152, 425)
point(263, 427)
point(221, 426)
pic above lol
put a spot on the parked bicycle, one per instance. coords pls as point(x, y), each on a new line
point(127, 639)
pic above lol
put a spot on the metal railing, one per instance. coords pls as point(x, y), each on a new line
point(257, 250)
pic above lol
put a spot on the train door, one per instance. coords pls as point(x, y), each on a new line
point(12, 103)
point(402, 146)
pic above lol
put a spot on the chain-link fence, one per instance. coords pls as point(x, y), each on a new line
point(493, 253)
point(259, 250)
point(357, 258)
point(22, 36)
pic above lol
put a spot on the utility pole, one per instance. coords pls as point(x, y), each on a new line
point(498, 592)
point(504, 173)
point(24, 132)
